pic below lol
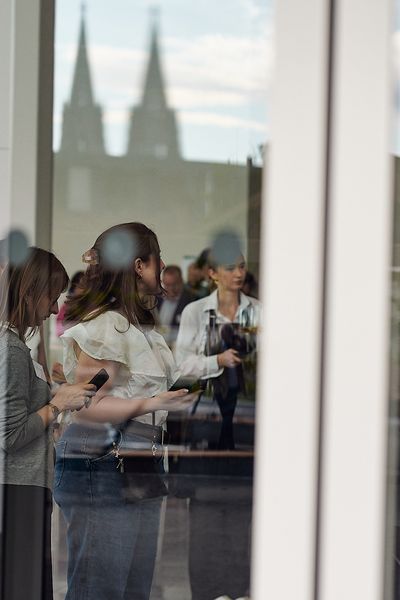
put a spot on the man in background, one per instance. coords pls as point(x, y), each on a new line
point(172, 303)
point(198, 282)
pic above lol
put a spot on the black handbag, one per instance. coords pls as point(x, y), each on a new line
point(140, 450)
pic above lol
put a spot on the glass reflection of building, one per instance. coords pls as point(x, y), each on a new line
point(184, 201)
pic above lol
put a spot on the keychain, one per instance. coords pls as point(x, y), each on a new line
point(120, 464)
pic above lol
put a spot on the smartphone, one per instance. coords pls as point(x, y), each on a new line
point(193, 385)
point(100, 379)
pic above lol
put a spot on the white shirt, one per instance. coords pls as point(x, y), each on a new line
point(192, 335)
point(167, 310)
point(147, 364)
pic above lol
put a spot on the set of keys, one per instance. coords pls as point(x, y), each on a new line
point(120, 464)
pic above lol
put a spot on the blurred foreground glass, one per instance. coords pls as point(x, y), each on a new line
point(392, 559)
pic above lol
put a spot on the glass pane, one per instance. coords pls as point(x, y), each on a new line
point(392, 563)
point(161, 118)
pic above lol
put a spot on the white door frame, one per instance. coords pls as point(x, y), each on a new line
point(292, 265)
point(320, 501)
point(356, 366)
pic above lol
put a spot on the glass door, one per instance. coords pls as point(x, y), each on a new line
point(161, 116)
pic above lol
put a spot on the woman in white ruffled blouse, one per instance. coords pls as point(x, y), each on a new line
point(113, 527)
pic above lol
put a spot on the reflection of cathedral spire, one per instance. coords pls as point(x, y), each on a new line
point(82, 130)
point(153, 131)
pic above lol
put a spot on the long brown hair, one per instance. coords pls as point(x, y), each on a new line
point(112, 284)
point(40, 274)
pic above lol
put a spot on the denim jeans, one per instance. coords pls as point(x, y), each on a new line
point(111, 542)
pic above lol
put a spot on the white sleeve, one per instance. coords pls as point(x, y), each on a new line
point(190, 344)
point(98, 338)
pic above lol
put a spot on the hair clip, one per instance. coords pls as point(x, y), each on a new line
point(91, 257)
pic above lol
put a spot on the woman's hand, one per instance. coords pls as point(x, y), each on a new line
point(73, 397)
point(229, 358)
point(174, 401)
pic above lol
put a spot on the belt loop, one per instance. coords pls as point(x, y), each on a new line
point(83, 448)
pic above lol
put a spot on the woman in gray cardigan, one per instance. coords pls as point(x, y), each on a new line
point(29, 293)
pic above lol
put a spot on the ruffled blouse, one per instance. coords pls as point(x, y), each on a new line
point(147, 364)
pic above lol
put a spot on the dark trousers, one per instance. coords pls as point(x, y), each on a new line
point(227, 406)
point(219, 550)
point(26, 543)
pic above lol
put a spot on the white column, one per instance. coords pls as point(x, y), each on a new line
point(357, 349)
point(287, 429)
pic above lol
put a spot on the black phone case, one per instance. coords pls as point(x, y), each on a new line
point(100, 378)
point(193, 385)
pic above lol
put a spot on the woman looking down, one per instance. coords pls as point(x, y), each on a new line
point(29, 292)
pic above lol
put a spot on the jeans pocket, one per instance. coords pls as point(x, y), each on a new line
point(107, 457)
point(60, 462)
point(109, 454)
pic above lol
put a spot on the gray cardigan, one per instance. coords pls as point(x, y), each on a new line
point(26, 446)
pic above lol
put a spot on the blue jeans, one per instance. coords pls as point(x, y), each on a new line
point(112, 542)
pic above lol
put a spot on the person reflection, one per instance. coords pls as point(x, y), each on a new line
point(109, 459)
point(218, 331)
point(217, 334)
point(172, 303)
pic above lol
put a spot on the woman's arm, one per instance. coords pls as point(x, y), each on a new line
point(112, 409)
point(67, 397)
point(19, 427)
